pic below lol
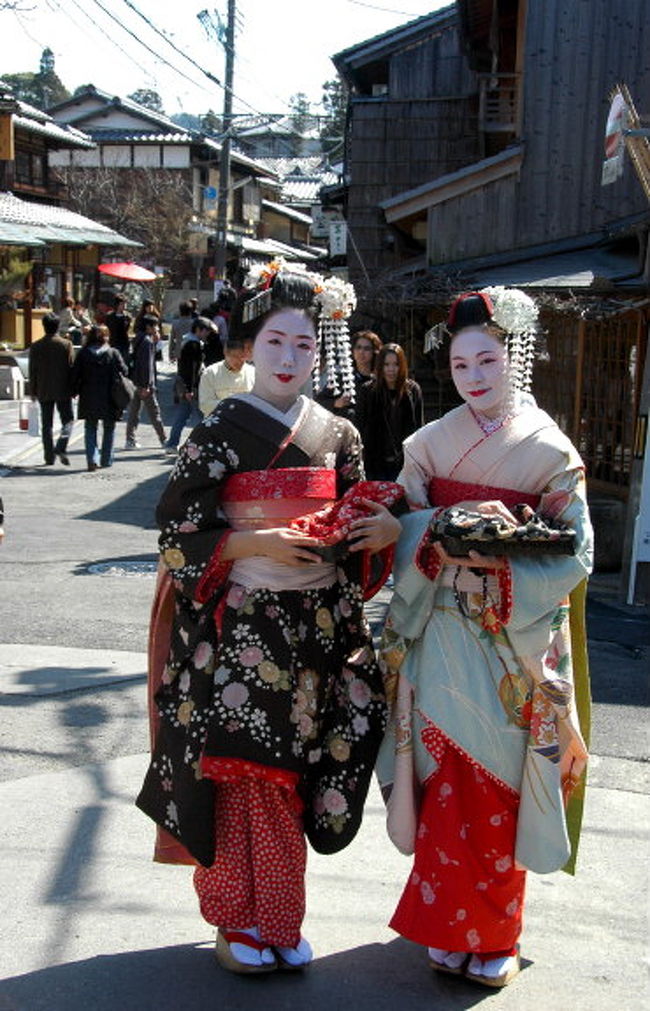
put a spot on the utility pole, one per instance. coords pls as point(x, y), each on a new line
point(221, 238)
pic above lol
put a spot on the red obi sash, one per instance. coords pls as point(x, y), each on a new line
point(286, 482)
point(444, 492)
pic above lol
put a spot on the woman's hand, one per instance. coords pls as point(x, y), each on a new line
point(287, 546)
point(490, 509)
point(372, 533)
point(281, 543)
point(472, 561)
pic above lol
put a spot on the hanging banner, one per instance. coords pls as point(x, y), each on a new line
point(338, 238)
point(617, 122)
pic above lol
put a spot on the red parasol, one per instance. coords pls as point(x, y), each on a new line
point(127, 271)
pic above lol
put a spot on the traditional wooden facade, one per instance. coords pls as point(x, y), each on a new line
point(474, 157)
point(46, 251)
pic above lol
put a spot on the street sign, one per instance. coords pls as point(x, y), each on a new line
point(338, 238)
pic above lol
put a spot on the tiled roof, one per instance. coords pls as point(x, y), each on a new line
point(40, 223)
point(395, 36)
point(303, 191)
point(288, 212)
point(127, 135)
point(65, 136)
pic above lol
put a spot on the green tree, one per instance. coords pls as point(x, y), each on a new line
point(300, 111)
point(149, 98)
point(211, 123)
point(52, 89)
point(41, 89)
point(335, 103)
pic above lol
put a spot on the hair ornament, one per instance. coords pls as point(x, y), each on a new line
point(335, 300)
point(513, 310)
point(257, 306)
point(517, 314)
point(435, 337)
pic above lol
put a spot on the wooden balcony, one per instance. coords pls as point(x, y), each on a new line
point(499, 103)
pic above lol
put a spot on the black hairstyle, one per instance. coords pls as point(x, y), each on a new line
point(471, 309)
point(202, 323)
point(185, 309)
point(97, 334)
point(235, 344)
point(286, 291)
point(50, 323)
point(149, 320)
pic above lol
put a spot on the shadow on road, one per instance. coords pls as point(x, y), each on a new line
point(381, 977)
point(136, 507)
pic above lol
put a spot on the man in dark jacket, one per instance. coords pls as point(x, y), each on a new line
point(186, 387)
point(209, 334)
point(144, 378)
point(50, 370)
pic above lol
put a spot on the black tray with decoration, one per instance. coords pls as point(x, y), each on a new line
point(460, 532)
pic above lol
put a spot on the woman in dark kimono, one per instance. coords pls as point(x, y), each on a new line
point(270, 705)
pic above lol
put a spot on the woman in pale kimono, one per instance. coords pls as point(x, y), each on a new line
point(485, 751)
point(269, 704)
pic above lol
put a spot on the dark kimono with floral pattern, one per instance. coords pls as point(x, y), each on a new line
point(284, 680)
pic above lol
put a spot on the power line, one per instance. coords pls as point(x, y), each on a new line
point(55, 6)
point(384, 10)
point(163, 35)
point(170, 42)
point(133, 35)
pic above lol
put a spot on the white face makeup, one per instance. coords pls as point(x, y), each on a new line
point(284, 353)
point(479, 368)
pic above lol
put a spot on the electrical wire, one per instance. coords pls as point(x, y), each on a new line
point(170, 42)
point(384, 10)
point(162, 59)
point(55, 6)
point(179, 52)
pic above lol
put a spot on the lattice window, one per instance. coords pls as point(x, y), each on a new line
point(590, 384)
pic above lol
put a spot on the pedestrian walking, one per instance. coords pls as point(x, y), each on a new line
point(486, 750)
point(388, 410)
point(118, 322)
point(94, 372)
point(144, 378)
point(210, 336)
point(270, 700)
point(50, 369)
point(186, 386)
point(179, 327)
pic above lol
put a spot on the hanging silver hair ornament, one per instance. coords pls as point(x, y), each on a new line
point(336, 299)
point(517, 314)
point(435, 337)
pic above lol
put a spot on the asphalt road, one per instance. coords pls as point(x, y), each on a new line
point(77, 575)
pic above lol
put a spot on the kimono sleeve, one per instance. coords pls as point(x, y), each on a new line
point(193, 526)
point(349, 460)
point(539, 584)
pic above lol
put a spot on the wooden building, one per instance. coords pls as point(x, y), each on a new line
point(474, 156)
point(46, 250)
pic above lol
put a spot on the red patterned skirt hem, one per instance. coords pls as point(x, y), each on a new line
point(464, 892)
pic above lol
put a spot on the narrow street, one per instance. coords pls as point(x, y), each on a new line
point(93, 922)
